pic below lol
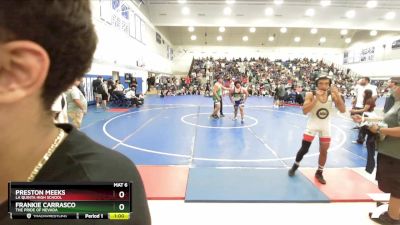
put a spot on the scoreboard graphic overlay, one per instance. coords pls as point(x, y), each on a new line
point(94, 200)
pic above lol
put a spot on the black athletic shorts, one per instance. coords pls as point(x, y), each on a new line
point(388, 174)
point(104, 96)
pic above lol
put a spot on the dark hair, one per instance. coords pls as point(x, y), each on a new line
point(368, 95)
point(395, 80)
point(323, 78)
point(237, 82)
point(63, 28)
point(367, 78)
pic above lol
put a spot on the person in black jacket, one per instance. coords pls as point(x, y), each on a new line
point(44, 47)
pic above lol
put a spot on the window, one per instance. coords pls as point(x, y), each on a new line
point(132, 30)
point(138, 29)
point(105, 11)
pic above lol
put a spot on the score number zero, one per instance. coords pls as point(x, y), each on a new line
point(121, 194)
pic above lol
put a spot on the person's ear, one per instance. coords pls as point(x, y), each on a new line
point(23, 69)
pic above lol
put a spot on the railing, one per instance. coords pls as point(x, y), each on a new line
point(191, 67)
point(343, 68)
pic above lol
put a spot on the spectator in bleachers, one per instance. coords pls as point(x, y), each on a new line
point(262, 75)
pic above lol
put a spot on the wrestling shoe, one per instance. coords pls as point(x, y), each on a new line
point(320, 177)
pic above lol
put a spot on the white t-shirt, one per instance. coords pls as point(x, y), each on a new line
point(208, 64)
point(374, 89)
point(360, 93)
point(75, 94)
point(130, 94)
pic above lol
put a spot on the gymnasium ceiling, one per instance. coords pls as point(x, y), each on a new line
point(267, 17)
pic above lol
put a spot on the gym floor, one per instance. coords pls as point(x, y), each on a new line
point(184, 156)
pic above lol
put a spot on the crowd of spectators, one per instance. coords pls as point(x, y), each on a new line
point(113, 91)
point(261, 76)
point(288, 79)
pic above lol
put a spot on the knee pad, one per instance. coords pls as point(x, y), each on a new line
point(326, 140)
point(305, 146)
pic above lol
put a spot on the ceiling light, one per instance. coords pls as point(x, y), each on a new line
point(347, 40)
point(372, 4)
point(230, 2)
point(245, 38)
point(322, 40)
point(252, 29)
point(221, 29)
point(350, 14)
point(219, 38)
point(193, 37)
point(278, 2)
point(227, 11)
point(191, 29)
point(310, 12)
point(390, 15)
point(271, 38)
point(185, 11)
point(283, 30)
point(325, 3)
point(314, 30)
point(269, 11)
point(373, 33)
point(182, 1)
point(297, 39)
point(344, 32)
